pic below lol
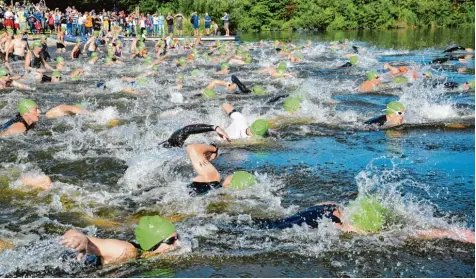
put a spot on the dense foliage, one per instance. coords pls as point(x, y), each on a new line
point(256, 15)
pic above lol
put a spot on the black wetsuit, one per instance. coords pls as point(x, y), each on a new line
point(201, 188)
point(379, 120)
point(44, 52)
point(45, 78)
point(454, 49)
point(178, 138)
point(77, 53)
point(346, 65)
point(240, 85)
point(36, 61)
point(17, 119)
point(310, 216)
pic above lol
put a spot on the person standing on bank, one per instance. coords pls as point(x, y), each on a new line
point(226, 23)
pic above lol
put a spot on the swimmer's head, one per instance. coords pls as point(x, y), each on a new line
point(196, 72)
point(353, 60)
point(59, 60)
point(108, 59)
point(259, 127)
point(209, 93)
point(26, 106)
point(180, 77)
point(242, 180)
point(259, 91)
point(403, 69)
point(372, 75)
point(4, 72)
point(78, 40)
point(471, 84)
point(282, 66)
point(224, 66)
point(153, 230)
point(43, 37)
point(248, 59)
point(292, 104)
point(36, 44)
point(368, 214)
point(400, 79)
point(94, 55)
point(182, 61)
point(395, 107)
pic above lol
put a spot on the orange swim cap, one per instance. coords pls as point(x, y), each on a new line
point(191, 56)
point(403, 69)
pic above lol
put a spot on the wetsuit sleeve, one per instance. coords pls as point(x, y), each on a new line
point(380, 120)
point(240, 85)
point(178, 138)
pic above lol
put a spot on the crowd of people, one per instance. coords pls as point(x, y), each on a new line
point(154, 234)
point(39, 19)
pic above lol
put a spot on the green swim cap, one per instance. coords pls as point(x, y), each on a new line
point(94, 55)
point(259, 91)
point(281, 71)
point(248, 59)
point(75, 78)
point(59, 59)
point(209, 93)
point(180, 76)
point(3, 71)
point(259, 127)
point(55, 74)
point(371, 75)
point(25, 105)
point(108, 59)
point(43, 37)
point(394, 107)
point(428, 74)
point(225, 66)
point(368, 214)
point(242, 180)
point(182, 61)
point(196, 72)
point(79, 105)
point(155, 67)
point(142, 81)
point(152, 230)
point(353, 59)
point(292, 104)
point(96, 33)
point(282, 66)
point(36, 44)
point(471, 83)
point(78, 40)
point(205, 56)
point(400, 79)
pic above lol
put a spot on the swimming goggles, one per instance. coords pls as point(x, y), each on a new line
point(168, 241)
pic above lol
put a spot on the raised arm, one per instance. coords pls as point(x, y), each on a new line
point(178, 138)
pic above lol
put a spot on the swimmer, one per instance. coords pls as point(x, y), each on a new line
point(44, 48)
point(60, 40)
point(224, 69)
point(91, 44)
point(94, 58)
point(42, 182)
point(25, 120)
point(373, 82)
point(17, 48)
point(8, 81)
point(277, 72)
point(457, 48)
point(59, 63)
point(394, 71)
point(155, 235)
point(55, 77)
point(394, 116)
point(65, 110)
point(76, 49)
point(296, 58)
point(35, 59)
point(208, 177)
point(352, 61)
point(239, 128)
point(368, 217)
point(77, 73)
point(234, 85)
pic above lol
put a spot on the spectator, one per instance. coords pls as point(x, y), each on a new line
point(208, 21)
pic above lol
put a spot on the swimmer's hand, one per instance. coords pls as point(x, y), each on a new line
point(222, 134)
point(75, 240)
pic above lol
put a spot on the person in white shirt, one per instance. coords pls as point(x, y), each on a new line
point(155, 21)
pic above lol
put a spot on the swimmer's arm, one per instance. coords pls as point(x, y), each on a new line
point(41, 182)
point(178, 138)
point(110, 250)
point(87, 44)
point(462, 235)
point(8, 50)
point(46, 64)
point(217, 82)
point(65, 109)
point(20, 85)
point(15, 129)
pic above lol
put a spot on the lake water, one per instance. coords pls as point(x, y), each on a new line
point(106, 178)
